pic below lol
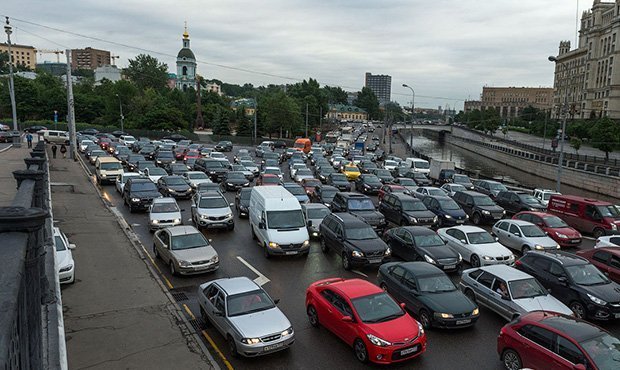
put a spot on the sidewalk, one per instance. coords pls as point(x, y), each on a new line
point(11, 160)
point(116, 314)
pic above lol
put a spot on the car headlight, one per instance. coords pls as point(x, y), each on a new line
point(172, 190)
point(466, 217)
point(475, 312)
point(273, 245)
point(66, 268)
point(229, 184)
point(184, 263)
point(388, 251)
point(460, 258)
point(441, 315)
point(215, 259)
point(357, 254)
point(287, 332)
point(204, 217)
point(420, 330)
point(229, 215)
point(429, 259)
point(487, 258)
point(413, 219)
point(306, 243)
point(596, 300)
point(448, 217)
point(539, 247)
point(504, 212)
point(485, 212)
point(614, 227)
point(557, 246)
point(176, 221)
point(562, 236)
point(378, 341)
point(435, 219)
point(155, 222)
point(250, 341)
point(158, 161)
point(135, 200)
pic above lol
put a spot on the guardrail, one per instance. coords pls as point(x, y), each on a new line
point(31, 324)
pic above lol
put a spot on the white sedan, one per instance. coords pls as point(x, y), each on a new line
point(155, 173)
point(451, 188)
point(122, 179)
point(65, 266)
point(476, 245)
point(608, 241)
point(194, 178)
point(424, 191)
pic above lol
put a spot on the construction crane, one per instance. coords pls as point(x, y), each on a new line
point(47, 51)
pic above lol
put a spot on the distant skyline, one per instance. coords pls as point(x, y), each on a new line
point(446, 50)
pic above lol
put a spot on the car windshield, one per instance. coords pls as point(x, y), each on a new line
point(156, 171)
point(372, 180)
point(461, 179)
point(292, 219)
point(245, 194)
point(419, 176)
point(304, 172)
point(608, 211)
point(110, 166)
point(361, 233)
point(317, 213)
point(175, 181)
point(554, 221)
point(406, 182)
point(449, 205)
point(213, 203)
point(188, 241)
point(338, 177)
point(378, 307)
point(248, 302)
point(436, 192)
point(272, 171)
point(412, 205)
point(604, 350)
point(483, 201)
point(481, 237)
point(497, 186)
point(351, 169)
point(271, 180)
point(532, 231)
point(421, 165)
point(526, 288)
point(390, 163)
point(143, 186)
point(60, 244)
point(436, 284)
point(164, 208)
point(214, 165)
point(363, 204)
point(528, 199)
point(586, 274)
point(431, 240)
point(165, 155)
point(248, 164)
point(198, 176)
point(295, 190)
point(235, 176)
point(328, 194)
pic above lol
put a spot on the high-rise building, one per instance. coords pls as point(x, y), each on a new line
point(186, 65)
point(89, 58)
point(21, 54)
point(381, 85)
point(510, 101)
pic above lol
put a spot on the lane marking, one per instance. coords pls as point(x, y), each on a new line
point(216, 348)
point(359, 273)
point(588, 238)
point(168, 283)
point(189, 312)
point(261, 279)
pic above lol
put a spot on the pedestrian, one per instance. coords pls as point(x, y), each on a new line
point(63, 150)
point(54, 147)
point(29, 140)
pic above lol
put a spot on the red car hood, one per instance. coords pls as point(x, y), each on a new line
point(568, 231)
point(402, 329)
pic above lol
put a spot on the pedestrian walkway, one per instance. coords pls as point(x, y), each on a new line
point(11, 159)
point(116, 314)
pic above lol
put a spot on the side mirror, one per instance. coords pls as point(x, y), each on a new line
point(403, 306)
point(347, 319)
point(71, 246)
point(182, 209)
point(563, 280)
point(231, 204)
point(276, 301)
point(309, 223)
point(496, 239)
point(463, 241)
point(261, 225)
point(217, 313)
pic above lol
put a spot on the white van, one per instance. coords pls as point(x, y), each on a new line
point(418, 165)
point(55, 136)
point(107, 169)
point(277, 222)
point(127, 140)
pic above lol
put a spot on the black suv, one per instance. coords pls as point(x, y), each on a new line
point(138, 194)
point(224, 146)
point(517, 201)
point(361, 206)
point(353, 239)
point(575, 282)
point(403, 209)
point(216, 170)
point(479, 207)
point(368, 184)
point(339, 181)
point(164, 158)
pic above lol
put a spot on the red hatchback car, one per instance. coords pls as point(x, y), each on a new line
point(391, 188)
point(366, 318)
point(268, 180)
point(605, 259)
point(548, 340)
point(557, 229)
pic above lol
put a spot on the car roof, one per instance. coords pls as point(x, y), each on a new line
point(350, 220)
point(577, 329)
point(236, 285)
point(164, 200)
point(467, 229)
point(355, 288)
point(419, 230)
point(182, 230)
point(576, 198)
point(314, 206)
point(420, 268)
point(563, 257)
point(472, 193)
point(506, 272)
point(517, 222)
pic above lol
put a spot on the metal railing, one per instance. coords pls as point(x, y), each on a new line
point(31, 324)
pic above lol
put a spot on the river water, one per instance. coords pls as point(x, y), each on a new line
point(487, 167)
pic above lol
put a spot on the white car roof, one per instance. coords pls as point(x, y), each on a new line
point(466, 229)
point(505, 272)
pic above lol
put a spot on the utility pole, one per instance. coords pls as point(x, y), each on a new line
point(255, 114)
point(306, 119)
point(9, 30)
point(412, 110)
point(70, 108)
point(120, 104)
point(321, 120)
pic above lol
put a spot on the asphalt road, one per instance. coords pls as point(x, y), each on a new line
point(472, 348)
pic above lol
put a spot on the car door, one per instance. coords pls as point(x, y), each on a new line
point(614, 268)
point(397, 242)
point(338, 238)
point(568, 355)
point(482, 288)
point(393, 282)
point(220, 320)
point(455, 242)
point(210, 293)
point(410, 250)
point(411, 293)
point(513, 237)
point(502, 302)
point(346, 330)
point(601, 259)
point(162, 243)
point(325, 309)
point(536, 347)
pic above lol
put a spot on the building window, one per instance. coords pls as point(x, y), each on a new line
point(184, 73)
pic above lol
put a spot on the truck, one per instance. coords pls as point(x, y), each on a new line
point(441, 171)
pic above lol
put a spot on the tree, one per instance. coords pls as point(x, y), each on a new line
point(335, 95)
point(280, 113)
point(367, 100)
point(605, 135)
point(395, 112)
point(244, 127)
point(220, 127)
point(146, 71)
point(575, 142)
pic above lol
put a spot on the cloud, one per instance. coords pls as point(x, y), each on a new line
point(443, 48)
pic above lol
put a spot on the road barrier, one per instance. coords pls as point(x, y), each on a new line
point(31, 324)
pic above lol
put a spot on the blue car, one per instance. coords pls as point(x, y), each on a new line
point(298, 191)
point(448, 212)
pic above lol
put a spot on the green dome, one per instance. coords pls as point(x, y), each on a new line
point(186, 53)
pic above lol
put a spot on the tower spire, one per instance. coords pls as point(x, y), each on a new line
point(185, 34)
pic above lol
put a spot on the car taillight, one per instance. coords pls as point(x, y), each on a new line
point(518, 263)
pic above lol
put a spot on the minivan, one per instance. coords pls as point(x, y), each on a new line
point(418, 165)
point(107, 169)
point(586, 215)
point(277, 222)
point(56, 137)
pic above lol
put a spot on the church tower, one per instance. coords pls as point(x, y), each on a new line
point(186, 65)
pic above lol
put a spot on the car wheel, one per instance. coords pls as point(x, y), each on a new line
point(525, 248)
point(173, 271)
point(232, 346)
point(425, 319)
point(403, 222)
point(439, 222)
point(205, 318)
point(231, 227)
point(313, 316)
point(476, 218)
point(346, 262)
point(324, 247)
point(598, 232)
point(474, 260)
point(266, 252)
point(511, 360)
point(471, 295)
point(360, 351)
point(578, 310)
point(155, 252)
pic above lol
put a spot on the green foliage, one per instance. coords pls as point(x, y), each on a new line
point(335, 95)
point(575, 142)
point(244, 127)
point(605, 135)
point(147, 72)
point(367, 100)
point(220, 126)
point(395, 113)
point(280, 113)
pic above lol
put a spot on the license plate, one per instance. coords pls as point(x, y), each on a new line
point(291, 253)
point(575, 241)
point(461, 322)
point(376, 260)
point(460, 221)
point(408, 350)
point(272, 347)
point(449, 267)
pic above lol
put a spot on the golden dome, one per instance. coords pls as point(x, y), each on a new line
point(185, 34)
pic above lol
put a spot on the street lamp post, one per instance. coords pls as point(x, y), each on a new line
point(9, 30)
point(120, 104)
point(412, 107)
point(558, 181)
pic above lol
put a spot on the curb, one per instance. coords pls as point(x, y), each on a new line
point(5, 149)
point(139, 248)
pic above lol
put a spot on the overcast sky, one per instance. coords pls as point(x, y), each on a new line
point(445, 49)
